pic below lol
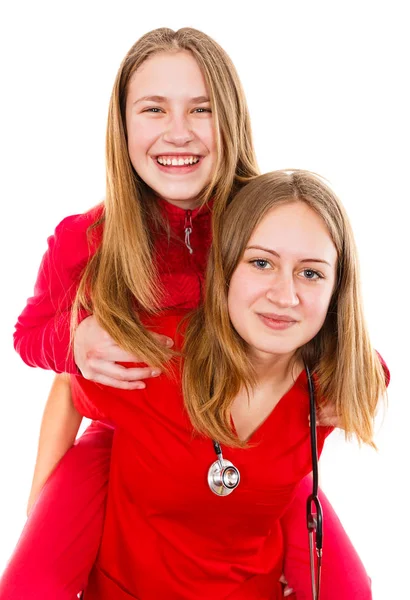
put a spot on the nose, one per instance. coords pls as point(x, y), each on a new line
point(282, 291)
point(179, 131)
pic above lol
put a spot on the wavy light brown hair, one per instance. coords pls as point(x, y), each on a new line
point(349, 373)
point(121, 278)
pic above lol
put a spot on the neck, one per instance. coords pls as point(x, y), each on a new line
point(274, 368)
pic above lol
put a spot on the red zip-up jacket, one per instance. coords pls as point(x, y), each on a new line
point(42, 335)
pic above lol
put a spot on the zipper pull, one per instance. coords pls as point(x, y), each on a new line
point(188, 230)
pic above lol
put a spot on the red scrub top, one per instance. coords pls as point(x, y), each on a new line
point(166, 535)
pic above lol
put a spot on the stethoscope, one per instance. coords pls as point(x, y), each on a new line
point(224, 478)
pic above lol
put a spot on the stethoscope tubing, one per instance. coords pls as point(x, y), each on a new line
point(314, 520)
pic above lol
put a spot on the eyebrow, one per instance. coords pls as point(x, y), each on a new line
point(162, 99)
point(304, 260)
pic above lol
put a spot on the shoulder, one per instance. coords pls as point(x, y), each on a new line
point(74, 239)
point(80, 223)
point(385, 368)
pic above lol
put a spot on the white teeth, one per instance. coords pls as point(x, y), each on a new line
point(177, 162)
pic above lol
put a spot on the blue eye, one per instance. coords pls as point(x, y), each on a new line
point(260, 263)
point(311, 274)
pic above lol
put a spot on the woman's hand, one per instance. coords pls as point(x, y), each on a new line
point(96, 355)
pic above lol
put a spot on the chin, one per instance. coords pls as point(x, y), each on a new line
point(181, 193)
point(277, 348)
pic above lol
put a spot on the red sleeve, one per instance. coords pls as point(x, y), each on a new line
point(42, 333)
point(385, 369)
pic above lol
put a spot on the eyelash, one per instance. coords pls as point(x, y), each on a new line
point(262, 260)
point(255, 262)
point(318, 275)
point(156, 110)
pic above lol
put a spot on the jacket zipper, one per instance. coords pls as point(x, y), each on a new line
point(188, 230)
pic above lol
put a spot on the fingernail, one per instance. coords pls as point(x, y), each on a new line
point(155, 373)
point(169, 342)
point(288, 592)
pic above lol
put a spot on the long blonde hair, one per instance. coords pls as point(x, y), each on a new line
point(349, 374)
point(121, 278)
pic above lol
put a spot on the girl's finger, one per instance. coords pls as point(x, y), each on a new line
point(119, 373)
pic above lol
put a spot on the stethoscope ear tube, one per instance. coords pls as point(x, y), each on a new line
point(314, 520)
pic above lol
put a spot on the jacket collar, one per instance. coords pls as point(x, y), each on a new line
point(176, 212)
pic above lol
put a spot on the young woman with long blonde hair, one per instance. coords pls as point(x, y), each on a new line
point(282, 293)
point(178, 143)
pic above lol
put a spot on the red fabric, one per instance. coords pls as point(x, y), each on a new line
point(60, 540)
point(59, 543)
point(165, 533)
point(42, 335)
point(343, 575)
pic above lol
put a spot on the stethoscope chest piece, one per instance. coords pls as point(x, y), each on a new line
point(223, 477)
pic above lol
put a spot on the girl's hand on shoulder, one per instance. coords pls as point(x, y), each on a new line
point(327, 417)
point(96, 355)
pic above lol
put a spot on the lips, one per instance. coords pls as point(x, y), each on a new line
point(276, 317)
point(277, 322)
point(178, 165)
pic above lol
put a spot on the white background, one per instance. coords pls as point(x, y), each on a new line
point(327, 89)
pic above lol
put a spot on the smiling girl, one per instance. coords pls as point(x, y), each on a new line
point(176, 98)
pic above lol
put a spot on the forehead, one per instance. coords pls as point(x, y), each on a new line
point(169, 74)
point(295, 230)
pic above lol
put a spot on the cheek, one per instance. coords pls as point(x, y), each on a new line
point(235, 299)
point(316, 305)
point(205, 131)
point(141, 135)
point(244, 290)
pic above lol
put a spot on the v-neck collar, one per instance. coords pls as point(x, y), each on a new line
point(301, 383)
